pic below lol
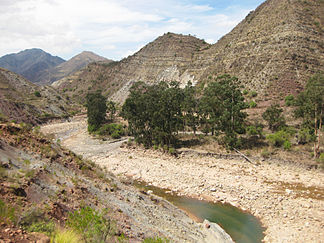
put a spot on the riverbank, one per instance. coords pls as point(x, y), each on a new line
point(288, 199)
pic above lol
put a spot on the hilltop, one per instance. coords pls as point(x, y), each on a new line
point(74, 64)
point(42, 68)
point(273, 51)
point(165, 59)
point(29, 63)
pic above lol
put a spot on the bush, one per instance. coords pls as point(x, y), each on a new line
point(252, 104)
point(281, 138)
point(37, 94)
point(90, 224)
point(306, 135)
point(66, 236)
point(155, 240)
point(289, 100)
point(113, 129)
point(7, 213)
point(253, 94)
point(287, 145)
point(43, 227)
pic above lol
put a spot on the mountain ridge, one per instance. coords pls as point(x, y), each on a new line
point(273, 51)
point(29, 62)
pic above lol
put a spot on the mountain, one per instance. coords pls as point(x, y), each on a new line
point(166, 58)
point(29, 63)
point(64, 69)
point(273, 51)
point(23, 101)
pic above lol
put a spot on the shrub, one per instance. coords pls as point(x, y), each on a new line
point(43, 227)
point(37, 94)
point(287, 145)
point(289, 100)
point(155, 240)
point(66, 236)
point(253, 94)
point(90, 224)
point(306, 135)
point(273, 116)
point(252, 104)
point(7, 213)
point(281, 138)
point(113, 129)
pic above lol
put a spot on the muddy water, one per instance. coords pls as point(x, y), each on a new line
point(241, 226)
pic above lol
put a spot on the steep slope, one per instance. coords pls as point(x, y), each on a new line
point(23, 101)
point(64, 69)
point(166, 58)
point(273, 51)
point(29, 63)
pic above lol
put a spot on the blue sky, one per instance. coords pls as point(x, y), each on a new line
point(112, 28)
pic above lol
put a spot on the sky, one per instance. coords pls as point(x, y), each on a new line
point(112, 28)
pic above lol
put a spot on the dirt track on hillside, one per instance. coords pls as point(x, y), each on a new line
point(288, 199)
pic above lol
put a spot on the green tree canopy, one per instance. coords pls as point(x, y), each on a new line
point(96, 110)
point(154, 112)
point(222, 106)
point(273, 116)
point(310, 107)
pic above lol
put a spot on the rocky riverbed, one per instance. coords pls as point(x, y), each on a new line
point(288, 198)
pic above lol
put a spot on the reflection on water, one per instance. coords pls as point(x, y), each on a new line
point(241, 226)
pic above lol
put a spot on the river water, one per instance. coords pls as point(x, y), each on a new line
point(241, 226)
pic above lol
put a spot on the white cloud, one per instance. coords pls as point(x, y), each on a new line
point(112, 28)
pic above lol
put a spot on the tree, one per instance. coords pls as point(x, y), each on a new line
point(273, 116)
point(310, 107)
point(190, 107)
point(111, 109)
point(222, 106)
point(154, 112)
point(96, 110)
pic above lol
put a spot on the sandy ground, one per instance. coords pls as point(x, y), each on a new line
point(288, 199)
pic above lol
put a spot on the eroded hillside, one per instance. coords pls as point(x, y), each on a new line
point(22, 101)
point(274, 50)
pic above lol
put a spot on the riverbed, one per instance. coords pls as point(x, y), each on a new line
point(288, 199)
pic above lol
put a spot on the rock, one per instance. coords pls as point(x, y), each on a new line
point(213, 189)
point(288, 191)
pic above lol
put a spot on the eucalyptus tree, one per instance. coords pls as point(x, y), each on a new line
point(310, 107)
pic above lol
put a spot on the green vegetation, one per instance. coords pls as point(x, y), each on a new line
point(289, 100)
point(155, 240)
point(37, 94)
point(96, 110)
point(221, 108)
point(156, 113)
point(66, 236)
point(111, 109)
point(7, 213)
point(282, 138)
point(93, 226)
point(310, 107)
point(47, 228)
point(113, 129)
point(273, 116)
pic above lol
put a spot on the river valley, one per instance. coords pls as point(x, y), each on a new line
point(287, 198)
